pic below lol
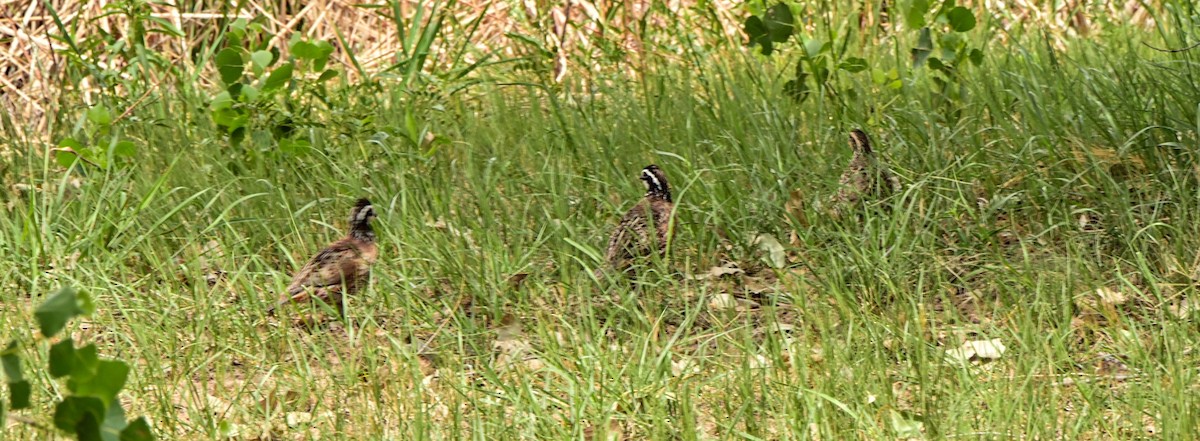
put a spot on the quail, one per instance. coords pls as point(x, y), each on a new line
point(645, 228)
point(867, 177)
point(341, 268)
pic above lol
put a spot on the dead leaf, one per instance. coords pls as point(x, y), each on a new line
point(1111, 297)
point(977, 349)
point(775, 256)
point(716, 272)
point(722, 301)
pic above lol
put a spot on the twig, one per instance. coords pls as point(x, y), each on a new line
point(27, 421)
point(1172, 50)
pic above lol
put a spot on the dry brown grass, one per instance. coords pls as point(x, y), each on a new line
point(577, 34)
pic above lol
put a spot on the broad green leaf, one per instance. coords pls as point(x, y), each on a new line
point(221, 101)
point(230, 119)
point(250, 93)
point(757, 32)
point(304, 50)
point(19, 392)
point(107, 382)
point(915, 16)
point(294, 146)
point(137, 430)
point(961, 19)
point(86, 362)
point(237, 136)
point(65, 158)
point(124, 148)
point(327, 75)
point(976, 57)
point(923, 49)
point(853, 65)
point(262, 59)
point(779, 22)
point(70, 142)
point(238, 26)
point(812, 47)
point(114, 422)
point(62, 358)
point(278, 77)
point(53, 314)
point(74, 409)
point(12, 362)
point(324, 50)
point(229, 64)
point(99, 115)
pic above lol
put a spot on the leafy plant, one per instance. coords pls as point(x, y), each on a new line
point(817, 59)
point(269, 102)
point(947, 57)
point(91, 410)
point(98, 142)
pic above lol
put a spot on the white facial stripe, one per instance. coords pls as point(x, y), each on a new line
point(652, 178)
point(364, 212)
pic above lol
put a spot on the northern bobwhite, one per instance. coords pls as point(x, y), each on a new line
point(343, 267)
point(867, 177)
point(645, 228)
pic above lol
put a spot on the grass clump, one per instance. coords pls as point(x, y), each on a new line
point(1048, 205)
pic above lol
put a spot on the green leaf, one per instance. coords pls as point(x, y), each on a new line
point(324, 50)
point(221, 101)
point(229, 64)
point(915, 16)
point(779, 22)
point(99, 115)
point(961, 19)
point(105, 384)
point(74, 410)
point(237, 136)
point(137, 430)
point(262, 59)
point(294, 146)
point(304, 50)
point(757, 32)
point(923, 49)
point(62, 358)
point(53, 314)
point(12, 362)
point(976, 57)
point(278, 78)
point(124, 148)
point(327, 75)
point(70, 142)
point(853, 65)
point(230, 119)
point(250, 93)
point(19, 392)
point(86, 362)
point(114, 422)
point(812, 47)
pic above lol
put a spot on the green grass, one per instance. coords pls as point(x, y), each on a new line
point(848, 341)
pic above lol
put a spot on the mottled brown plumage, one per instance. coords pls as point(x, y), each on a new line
point(343, 267)
point(867, 177)
point(645, 228)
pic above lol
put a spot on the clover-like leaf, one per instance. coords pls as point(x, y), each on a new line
point(278, 77)
point(53, 314)
point(229, 64)
point(924, 47)
point(961, 19)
